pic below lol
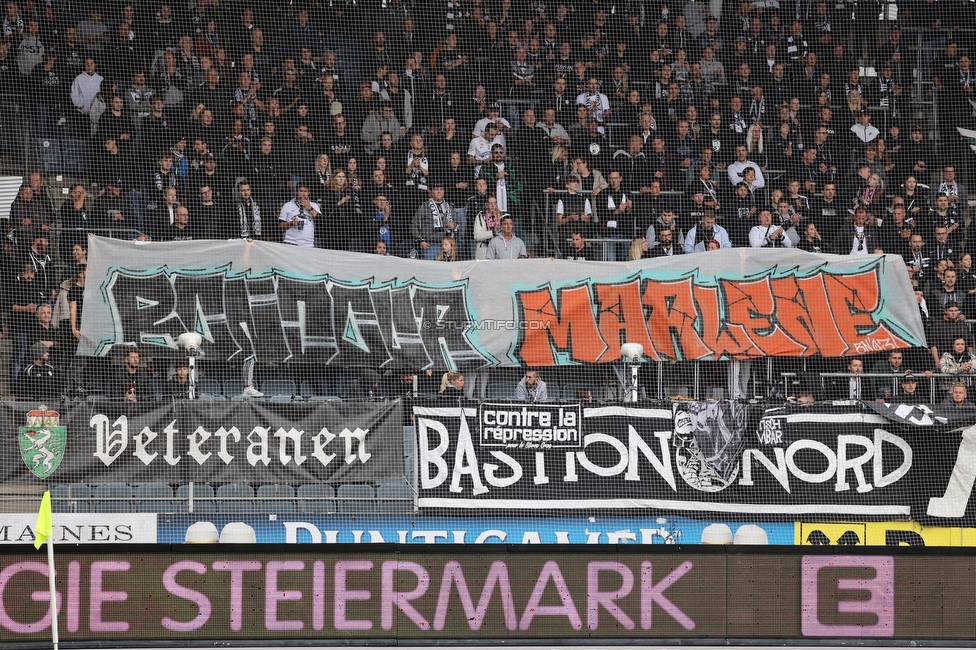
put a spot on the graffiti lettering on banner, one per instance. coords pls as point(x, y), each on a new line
point(260, 299)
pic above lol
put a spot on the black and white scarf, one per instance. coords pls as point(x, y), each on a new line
point(948, 190)
point(440, 218)
point(758, 109)
point(250, 223)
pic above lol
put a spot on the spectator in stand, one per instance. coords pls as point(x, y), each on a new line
point(577, 248)
point(952, 189)
point(432, 220)
point(39, 380)
point(248, 213)
point(133, 384)
point(24, 295)
point(742, 163)
point(84, 88)
point(297, 219)
point(958, 398)
point(852, 387)
point(951, 327)
point(505, 245)
point(958, 361)
point(704, 232)
point(531, 388)
point(766, 235)
point(452, 385)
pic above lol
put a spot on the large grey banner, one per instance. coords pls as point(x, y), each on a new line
point(285, 304)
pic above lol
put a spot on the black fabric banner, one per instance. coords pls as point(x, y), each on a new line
point(256, 442)
point(701, 457)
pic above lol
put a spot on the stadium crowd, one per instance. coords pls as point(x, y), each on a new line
point(492, 129)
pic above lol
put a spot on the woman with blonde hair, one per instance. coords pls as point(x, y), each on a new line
point(637, 249)
point(755, 145)
point(452, 384)
point(340, 215)
point(754, 140)
point(855, 105)
point(320, 178)
point(562, 166)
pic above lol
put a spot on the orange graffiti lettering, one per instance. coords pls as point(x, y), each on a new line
point(572, 328)
point(671, 323)
point(621, 319)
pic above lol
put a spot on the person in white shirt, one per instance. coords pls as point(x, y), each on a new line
point(766, 235)
point(85, 86)
point(863, 130)
point(500, 123)
point(505, 245)
point(480, 148)
point(740, 164)
point(297, 219)
point(596, 103)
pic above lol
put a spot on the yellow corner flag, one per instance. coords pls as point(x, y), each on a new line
point(42, 529)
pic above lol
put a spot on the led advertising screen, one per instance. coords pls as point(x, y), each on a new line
point(247, 593)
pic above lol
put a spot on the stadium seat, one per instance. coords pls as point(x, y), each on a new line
point(205, 397)
point(274, 387)
point(356, 499)
point(569, 392)
point(112, 497)
point(209, 386)
point(501, 390)
point(203, 499)
point(235, 498)
point(284, 399)
point(61, 500)
point(11, 129)
point(309, 390)
point(395, 497)
point(76, 156)
point(276, 498)
point(316, 498)
point(233, 387)
point(154, 497)
point(48, 154)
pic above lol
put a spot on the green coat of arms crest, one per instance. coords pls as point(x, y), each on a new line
point(42, 442)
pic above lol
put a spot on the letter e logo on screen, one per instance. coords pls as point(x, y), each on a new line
point(845, 595)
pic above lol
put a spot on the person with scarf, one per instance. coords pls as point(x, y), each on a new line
point(766, 235)
point(248, 212)
point(705, 231)
point(871, 196)
point(957, 361)
point(433, 219)
point(857, 237)
point(952, 189)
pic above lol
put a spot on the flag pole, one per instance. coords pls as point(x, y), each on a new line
point(44, 531)
point(54, 591)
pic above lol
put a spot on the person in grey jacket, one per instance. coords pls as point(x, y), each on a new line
point(433, 219)
point(531, 388)
point(380, 122)
point(505, 245)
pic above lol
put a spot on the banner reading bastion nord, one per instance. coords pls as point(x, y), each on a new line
point(285, 304)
